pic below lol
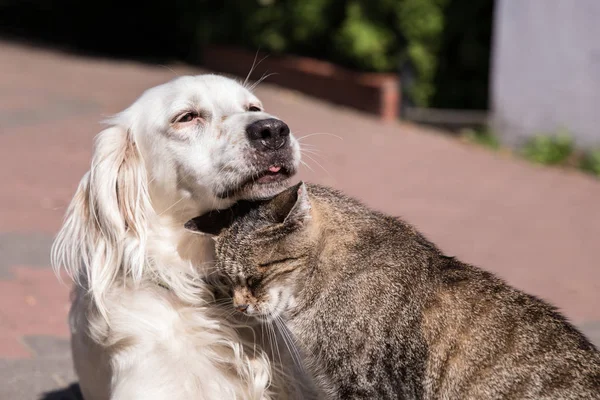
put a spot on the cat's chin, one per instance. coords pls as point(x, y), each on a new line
point(252, 319)
point(264, 318)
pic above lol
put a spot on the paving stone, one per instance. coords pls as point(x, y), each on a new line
point(33, 303)
point(44, 377)
point(24, 249)
point(592, 331)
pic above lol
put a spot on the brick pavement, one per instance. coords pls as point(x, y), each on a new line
point(539, 228)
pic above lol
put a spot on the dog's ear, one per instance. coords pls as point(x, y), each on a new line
point(105, 230)
point(212, 223)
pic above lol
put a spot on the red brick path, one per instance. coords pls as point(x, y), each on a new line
point(539, 228)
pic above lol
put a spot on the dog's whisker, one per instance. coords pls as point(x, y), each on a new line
point(318, 163)
point(258, 82)
point(254, 65)
point(313, 152)
point(306, 165)
point(309, 157)
point(317, 134)
point(169, 69)
point(308, 145)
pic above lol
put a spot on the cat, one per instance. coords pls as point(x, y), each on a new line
point(379, 312)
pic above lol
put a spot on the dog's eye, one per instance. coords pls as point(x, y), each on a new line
point(187, 117)
point(254, 109)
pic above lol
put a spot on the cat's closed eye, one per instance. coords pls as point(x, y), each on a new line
point(251, 282)
point(275, 262)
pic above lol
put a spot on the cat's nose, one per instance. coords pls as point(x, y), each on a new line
point(242, 307)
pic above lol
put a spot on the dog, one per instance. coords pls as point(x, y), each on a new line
point(143, 320)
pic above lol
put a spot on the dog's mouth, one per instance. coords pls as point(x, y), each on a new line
point(261, 184)
point(274, 173)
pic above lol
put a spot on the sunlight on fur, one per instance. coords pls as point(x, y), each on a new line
point(144, 322)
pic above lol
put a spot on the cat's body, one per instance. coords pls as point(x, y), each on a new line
point(379, 312)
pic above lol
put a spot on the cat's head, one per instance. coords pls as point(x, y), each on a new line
point(262, 249)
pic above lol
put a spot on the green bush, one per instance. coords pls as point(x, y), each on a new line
point(362, 42)
point(549, 150)
point(591, 162)
point(483, 137)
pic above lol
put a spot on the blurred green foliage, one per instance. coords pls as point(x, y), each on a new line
point(445, 42)
point(483, 137)
point(556, 149)
point(549, 150)
point(370, 35)
point(590, 162)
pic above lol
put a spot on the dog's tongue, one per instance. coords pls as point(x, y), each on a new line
point(272, 175)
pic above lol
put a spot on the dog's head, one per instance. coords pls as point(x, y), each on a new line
point(208, 139)
point(183, 148)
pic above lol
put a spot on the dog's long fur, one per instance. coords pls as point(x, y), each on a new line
point(144, 323)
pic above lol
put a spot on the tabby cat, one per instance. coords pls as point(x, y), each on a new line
point(378, 312)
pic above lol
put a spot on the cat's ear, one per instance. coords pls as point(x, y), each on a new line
point(212, 223)
point(292, 206)
point(300, 212)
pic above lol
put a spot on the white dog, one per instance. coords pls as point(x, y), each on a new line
point(144, 323)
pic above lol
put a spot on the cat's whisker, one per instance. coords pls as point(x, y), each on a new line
point(223, 302)
point(275, 342)
point(265, 327)
point(226, 312)
point(288, 341)
point(171, 206)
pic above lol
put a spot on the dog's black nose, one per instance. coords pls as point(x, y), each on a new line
point(268, 134)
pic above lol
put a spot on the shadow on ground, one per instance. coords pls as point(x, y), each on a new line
point(70, 393)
